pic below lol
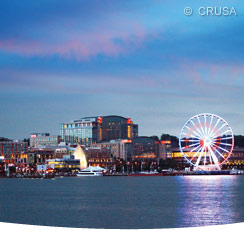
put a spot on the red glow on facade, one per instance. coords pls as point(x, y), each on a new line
point(100, 120)
point(129, 121)
point(126, 141)
point(165, 142)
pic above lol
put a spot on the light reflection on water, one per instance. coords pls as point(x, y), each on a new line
point(124, 202)
point(207, 200)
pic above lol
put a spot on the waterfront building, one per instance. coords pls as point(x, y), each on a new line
point(165, 150)
point(44, 139)
point(177, 155)
point(2, 168)
point(138, 149)
point(88, 130)
point(12, 150)
point(100, 156)
point(66, 164)
point(61, 151)
point(147, 149)
point(120, 149)
point(118, 127)
point(144, 148)
point(21, 158)
point(40, 155)
point(236, 159)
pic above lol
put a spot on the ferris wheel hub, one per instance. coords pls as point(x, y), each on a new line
point(207, 141)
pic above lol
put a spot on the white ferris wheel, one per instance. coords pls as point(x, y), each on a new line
point(206, 141)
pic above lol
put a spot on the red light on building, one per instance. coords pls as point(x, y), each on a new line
point(129, 121)
point(165, 142)
point(100, 120)
point(126, 141)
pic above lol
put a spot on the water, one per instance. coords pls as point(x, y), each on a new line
point(123, 202)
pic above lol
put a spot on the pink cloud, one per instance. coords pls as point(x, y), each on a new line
point(205, 72)
point(73, 43)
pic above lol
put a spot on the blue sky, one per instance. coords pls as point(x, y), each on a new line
point(62, 60)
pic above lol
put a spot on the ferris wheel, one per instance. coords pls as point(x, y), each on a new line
point(206, 141)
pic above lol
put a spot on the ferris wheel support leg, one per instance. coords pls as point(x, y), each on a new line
point(199, 158)
point(215, 159)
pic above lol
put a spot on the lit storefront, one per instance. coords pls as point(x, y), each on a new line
point(236, 159)
point(68, 164)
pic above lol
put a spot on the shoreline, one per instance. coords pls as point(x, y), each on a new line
point(139, 174)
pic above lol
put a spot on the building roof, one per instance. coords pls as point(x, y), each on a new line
point(140, 138)
point(116, 116)
point(4, 139)
point(94, 118)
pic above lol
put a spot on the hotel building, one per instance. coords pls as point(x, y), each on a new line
point(44, 139)
point(90, 130)
point(119, 149)
point(147, 149)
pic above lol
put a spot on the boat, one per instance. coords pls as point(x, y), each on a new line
point(146, 173)
point(236, 172)
point(91, 171)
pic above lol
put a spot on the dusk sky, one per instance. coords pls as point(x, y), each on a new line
point(143, 59)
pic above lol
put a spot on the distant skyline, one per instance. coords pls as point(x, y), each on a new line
point(63, 60)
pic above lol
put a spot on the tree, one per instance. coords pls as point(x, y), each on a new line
point(239, 140)
point(27, 140)
point(155, 137)
point(4, 139)
point(167, 137)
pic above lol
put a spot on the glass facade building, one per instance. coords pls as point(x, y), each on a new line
point(145, 148)
point(90, 130)
point(118, 127)
point(83, 131)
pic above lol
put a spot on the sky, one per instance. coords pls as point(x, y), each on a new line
point(143, 59)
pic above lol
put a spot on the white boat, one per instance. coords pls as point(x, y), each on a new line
point(148, 172)
point(236, 172)
point(91, 171)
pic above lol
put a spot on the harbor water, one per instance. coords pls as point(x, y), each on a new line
point(123, 202)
